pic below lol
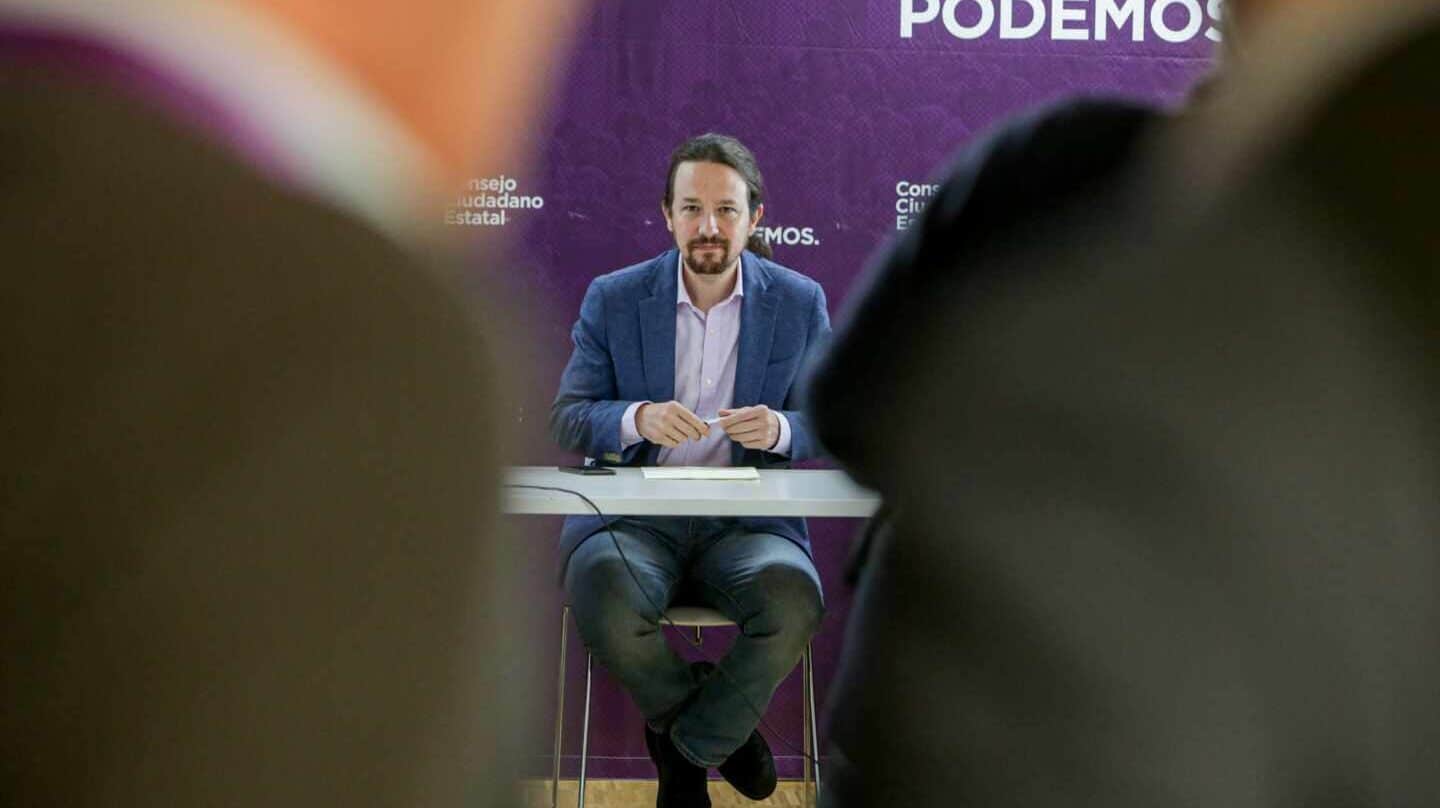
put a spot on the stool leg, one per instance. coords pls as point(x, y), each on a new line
point(559, 710)
point(814, 725)
point(585, 731)
point(807, 744)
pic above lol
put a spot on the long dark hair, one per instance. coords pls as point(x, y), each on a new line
point(727, 151)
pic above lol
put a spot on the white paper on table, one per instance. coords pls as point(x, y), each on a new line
point(700, 473)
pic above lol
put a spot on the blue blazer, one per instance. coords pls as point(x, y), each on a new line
point(625, 352)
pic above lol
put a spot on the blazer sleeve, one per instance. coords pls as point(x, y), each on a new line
point(585, 416)
point(803, 445)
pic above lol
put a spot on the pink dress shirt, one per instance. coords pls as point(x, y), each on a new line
point(706, 347)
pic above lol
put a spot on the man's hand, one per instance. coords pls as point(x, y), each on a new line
point(669, 424)
point(755, 427)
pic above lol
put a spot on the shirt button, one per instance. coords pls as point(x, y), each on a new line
point(710, 382)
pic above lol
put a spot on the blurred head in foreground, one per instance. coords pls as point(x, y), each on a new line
point(248, 548)
point(1180, 518)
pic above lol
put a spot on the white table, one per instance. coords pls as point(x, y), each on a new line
point(778, 492)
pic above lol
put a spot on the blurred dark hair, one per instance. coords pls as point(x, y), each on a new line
point(727, 151)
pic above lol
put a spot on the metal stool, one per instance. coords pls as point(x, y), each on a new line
point(689, 617)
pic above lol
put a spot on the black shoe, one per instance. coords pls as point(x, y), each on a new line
point(682, 783)
point(751, 768)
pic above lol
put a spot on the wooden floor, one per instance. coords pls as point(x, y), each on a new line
point(641, 794)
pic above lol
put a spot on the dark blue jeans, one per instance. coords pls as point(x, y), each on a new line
point(765, 583)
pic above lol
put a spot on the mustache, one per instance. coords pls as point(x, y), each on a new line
point(707, 242)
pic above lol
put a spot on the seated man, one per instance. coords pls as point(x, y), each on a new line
point(691, 358)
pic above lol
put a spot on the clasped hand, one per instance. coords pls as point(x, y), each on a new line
point(672, 423)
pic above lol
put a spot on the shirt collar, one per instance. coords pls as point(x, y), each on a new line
point(683, 294)
point(322, 132)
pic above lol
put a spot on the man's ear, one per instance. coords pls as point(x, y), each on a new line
point(757, 216)
point(664, 211)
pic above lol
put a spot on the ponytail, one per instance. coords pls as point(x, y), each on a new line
point(758, 245)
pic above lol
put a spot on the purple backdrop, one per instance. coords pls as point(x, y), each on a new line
point(846, 104)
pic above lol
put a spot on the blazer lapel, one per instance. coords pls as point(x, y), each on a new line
point(757, 330)
point(657, 329)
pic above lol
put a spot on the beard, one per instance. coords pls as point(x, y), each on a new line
point(709, 262)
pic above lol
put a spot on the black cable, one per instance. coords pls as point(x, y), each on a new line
point(665, 619)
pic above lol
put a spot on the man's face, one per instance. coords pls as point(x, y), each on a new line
point(710, 216)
